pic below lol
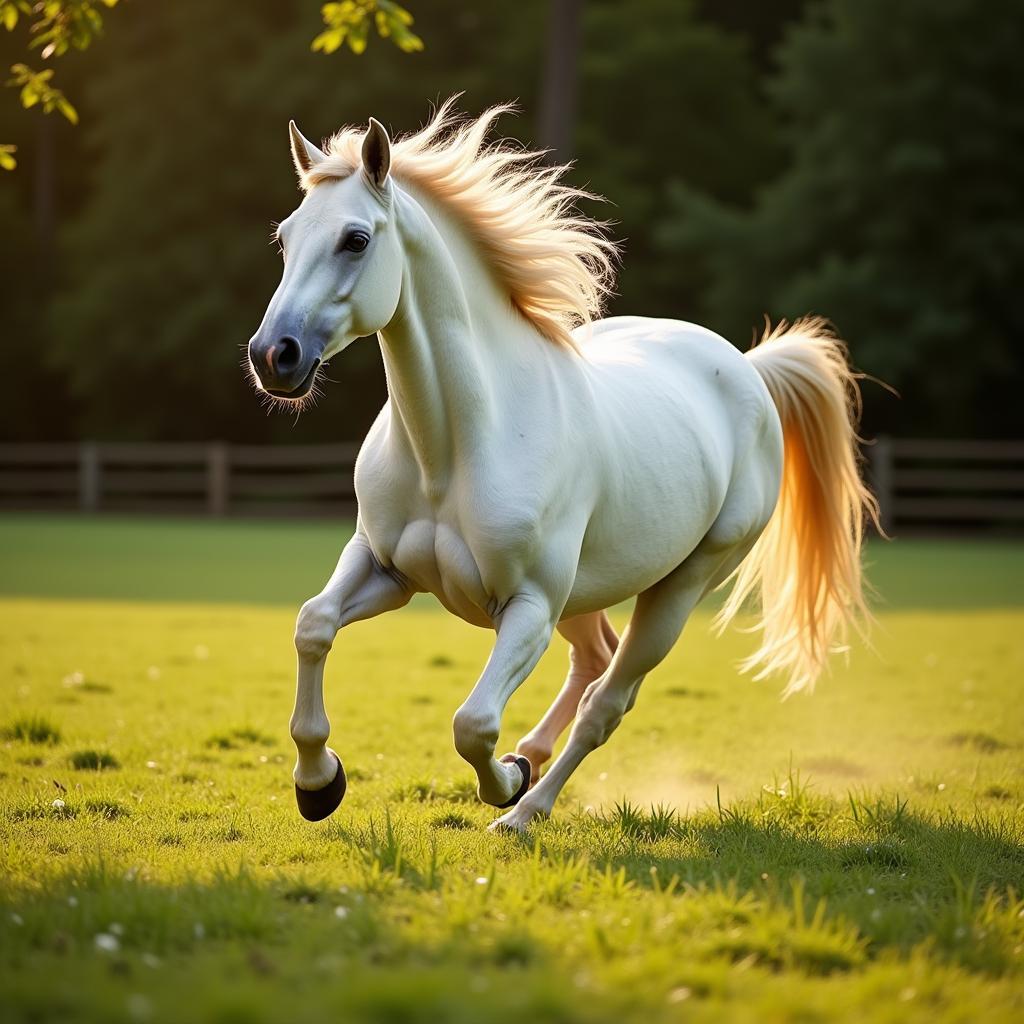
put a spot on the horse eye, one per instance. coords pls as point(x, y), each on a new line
point(355, 241)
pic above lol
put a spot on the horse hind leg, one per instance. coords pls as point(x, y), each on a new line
point(659, 617)
point(593, 641)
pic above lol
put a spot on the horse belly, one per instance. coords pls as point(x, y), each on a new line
point(673, 457)
point(618, 562)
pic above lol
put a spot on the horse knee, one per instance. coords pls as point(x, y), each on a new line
point(315, 628)
point(475, 732)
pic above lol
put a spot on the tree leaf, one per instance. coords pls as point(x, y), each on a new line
point(67, 109)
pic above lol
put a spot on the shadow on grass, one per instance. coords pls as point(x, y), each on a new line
point(899, 879)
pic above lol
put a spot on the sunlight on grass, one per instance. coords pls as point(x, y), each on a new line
point(858, 854)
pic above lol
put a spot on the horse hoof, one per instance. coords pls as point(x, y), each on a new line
point(317, 804)
point(524, 767)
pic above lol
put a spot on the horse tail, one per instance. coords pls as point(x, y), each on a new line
point(806, 565)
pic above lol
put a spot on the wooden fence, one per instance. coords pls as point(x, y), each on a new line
point(215, 479)
point(921, 485)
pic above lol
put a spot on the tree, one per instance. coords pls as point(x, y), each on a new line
point(899, 213)
point(666, 98)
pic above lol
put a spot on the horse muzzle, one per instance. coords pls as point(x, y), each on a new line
point(284, 368)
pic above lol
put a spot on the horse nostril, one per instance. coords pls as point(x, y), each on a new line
point(286, 355)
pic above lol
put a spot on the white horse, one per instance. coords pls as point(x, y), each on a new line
point(534, 466)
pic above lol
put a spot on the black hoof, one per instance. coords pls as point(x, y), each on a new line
point(317, 804)
point(524, 767)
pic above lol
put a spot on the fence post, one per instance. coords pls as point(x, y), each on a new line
point(89, 482)
point(218, 469)
point(882, 480)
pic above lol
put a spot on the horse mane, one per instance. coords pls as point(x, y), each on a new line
point(556, 263)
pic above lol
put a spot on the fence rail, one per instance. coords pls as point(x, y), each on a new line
point(920, 484)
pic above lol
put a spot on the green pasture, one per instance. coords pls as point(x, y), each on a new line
point(856, 855)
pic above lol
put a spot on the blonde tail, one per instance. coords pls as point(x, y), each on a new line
point(806, 565)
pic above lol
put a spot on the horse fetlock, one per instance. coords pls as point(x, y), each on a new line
point(310, 734)
point(315, 629)
point(536, 750)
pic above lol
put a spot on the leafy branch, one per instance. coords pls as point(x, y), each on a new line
point(54, 27)
point(57, 26)
point(349, 23)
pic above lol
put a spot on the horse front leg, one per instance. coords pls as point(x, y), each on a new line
point(523, 633)
point(358, 589)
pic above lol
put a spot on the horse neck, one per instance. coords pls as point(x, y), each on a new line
point(453, 342)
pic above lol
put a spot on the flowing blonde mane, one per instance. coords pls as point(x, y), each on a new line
point(556, 263)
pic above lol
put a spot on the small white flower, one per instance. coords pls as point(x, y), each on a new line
point(942, 786)
point(58, 804)
point(17, 919)
point(341, 912)
point(152, 764)
point(871, 890)
point(139, 1007)
point(678, 995)
point(481, 880)
point(107, 943)
point(72, 901)
point(116, 929)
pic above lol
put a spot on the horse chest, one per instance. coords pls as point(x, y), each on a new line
point(433, 556)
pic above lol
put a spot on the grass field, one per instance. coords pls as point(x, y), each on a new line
point(857, 855)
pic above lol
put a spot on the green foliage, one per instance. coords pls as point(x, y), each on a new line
point(62, 25)
point(36, 88)
point(349, 23)
point(665, 97)
point(59, 25)
point(896, 214)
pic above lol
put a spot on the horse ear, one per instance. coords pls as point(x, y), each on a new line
point(304, 154)
point(376, 153)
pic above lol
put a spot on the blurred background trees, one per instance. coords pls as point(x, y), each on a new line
point(848, 157)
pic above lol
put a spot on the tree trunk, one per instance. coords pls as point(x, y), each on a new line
point(559, 86)
point(44, 198)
